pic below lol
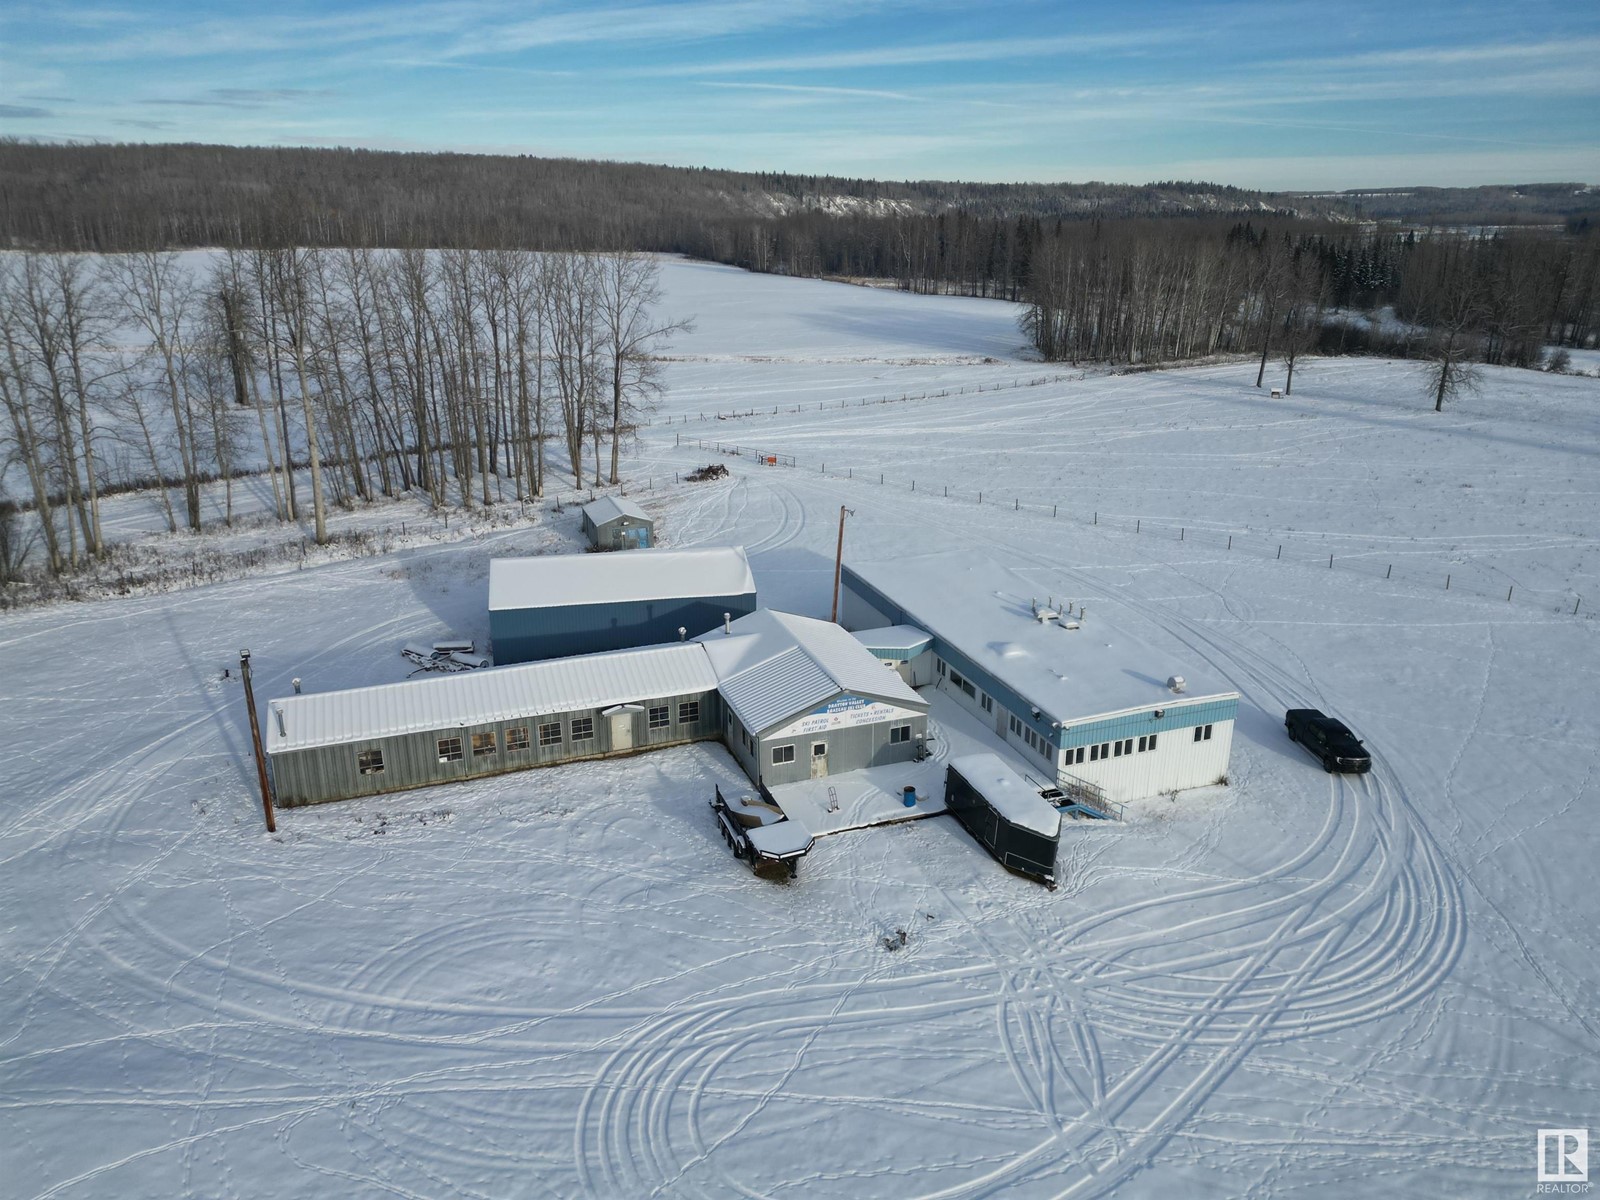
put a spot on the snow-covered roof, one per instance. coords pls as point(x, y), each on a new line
point(556, 580)
point(609, 508)
point(984, 611)
point(894, 639)
point(485, 696)
point(1012, 796)
point(772, 666)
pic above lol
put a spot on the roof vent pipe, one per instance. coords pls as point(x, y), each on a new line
point(278, 712)
point(682, 633)
point(296, 685)
point(727, 627)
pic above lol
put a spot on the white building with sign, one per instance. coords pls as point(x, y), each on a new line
point(802, 699)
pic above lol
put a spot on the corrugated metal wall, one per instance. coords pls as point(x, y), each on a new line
point(609, 534)
point(412, 760)
point(1178, 762)
point(533, 634)
point(848, 749)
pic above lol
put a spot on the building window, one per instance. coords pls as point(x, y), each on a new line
point(482, 743)
point(1127, 746)
point(957, 679)
point(1153, 740)
point(819, 749)
point(899, 733)
point(550, 735)
point(987, 702)
point(689, 712)
point(660, 717)
point(1116, 749)
point(1079, 759)
point(517, 738)
point(1016, 726)
point(966, 686)
point(1094, 753)
point(1202, 733)
point(583, 729)
point(940, 664)
point(450, 749)
point(370, 762)
point(1141, 745)
point(782, 754)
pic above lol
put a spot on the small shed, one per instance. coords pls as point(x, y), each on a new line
point(556, 605)
point(615, 523)
point(1005, 813)
point(802, 699)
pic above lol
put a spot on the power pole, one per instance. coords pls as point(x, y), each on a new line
point(255, 738)
point(838, 561)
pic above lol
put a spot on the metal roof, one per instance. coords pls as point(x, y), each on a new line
point(557, 580)
point(1012, 796)
point(609, 508)
point(985, 611)
point(772, 666)
point(486, 696)
point(906, 640)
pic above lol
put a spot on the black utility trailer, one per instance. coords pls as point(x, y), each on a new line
point(1005, 813)
point(757, 831)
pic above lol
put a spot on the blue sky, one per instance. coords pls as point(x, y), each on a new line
point(1272, 95)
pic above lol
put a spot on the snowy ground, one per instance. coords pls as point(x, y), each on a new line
point(560, 983)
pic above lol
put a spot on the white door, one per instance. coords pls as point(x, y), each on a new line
point(819, 760)
point(622, 731)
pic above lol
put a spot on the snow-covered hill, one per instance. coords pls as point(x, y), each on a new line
point(559, 983)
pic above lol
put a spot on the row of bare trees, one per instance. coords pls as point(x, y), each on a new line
point(345, 373)
point(1133, 294)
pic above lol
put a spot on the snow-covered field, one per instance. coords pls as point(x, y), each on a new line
point(559, 983)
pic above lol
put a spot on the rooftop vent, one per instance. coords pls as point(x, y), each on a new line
point(1176, 685)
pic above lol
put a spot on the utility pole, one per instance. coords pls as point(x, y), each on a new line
point(838, 561)
point(255, 738)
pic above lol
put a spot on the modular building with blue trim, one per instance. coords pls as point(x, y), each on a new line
point(1076, 696)
point(557, 605)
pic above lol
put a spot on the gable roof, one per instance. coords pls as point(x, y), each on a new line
point(609, 508)
point(557, 580)
point(774, 666)
point(483, 697)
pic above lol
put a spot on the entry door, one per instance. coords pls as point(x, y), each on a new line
point(622, 731)
point(819, 760)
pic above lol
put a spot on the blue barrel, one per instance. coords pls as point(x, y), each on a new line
point(911, 797)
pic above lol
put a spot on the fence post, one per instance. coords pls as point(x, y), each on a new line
point(1230, 541)
point(1052, 510)
point(1181, 533)
point(1280, 550)
point(1575, 604)
point(980, 497)
point(1509, 590)
point(880, 478)
point(1016, 505)
point(1097, 517)
point(947, 491)
point(1447, 583)
point(1138, 522)
point(1389, 572)
point(1330, 562)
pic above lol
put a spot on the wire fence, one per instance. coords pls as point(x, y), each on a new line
point(859, 401)
point(1467, 578)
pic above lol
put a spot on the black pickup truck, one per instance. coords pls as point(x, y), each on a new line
point(1329, 740)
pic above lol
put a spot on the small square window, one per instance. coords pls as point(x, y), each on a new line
point(1080, 754)
point(482, 744)
point(1117, 750)
point(1208, 733)
point(782, 754)
point(660, 717)
point(583, 729)
point(1153, 737)
point(1141, 744)
point(370, 762)
point(450, 749)
point(899, 733)
point(517, 738)
point(987, 701)
point(819, 749)
point(550, 734)
point(1094, 753)
point(689, 712)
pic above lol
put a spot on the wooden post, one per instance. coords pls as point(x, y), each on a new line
point(255, 738)
point(838, 564)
